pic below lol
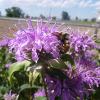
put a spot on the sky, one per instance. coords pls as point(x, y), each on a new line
point(81, 8)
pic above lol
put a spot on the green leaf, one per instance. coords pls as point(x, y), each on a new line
point(27, 86)
point(41, 98)
point(96, 94)
point(18, 66)
point(3, 90)
point(57, 63)
point(26, 91)
point(67, 58)
point(35, 75)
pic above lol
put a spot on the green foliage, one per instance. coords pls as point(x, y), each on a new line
point(62, 62)
point(2, 89)
point(96, 95)
point(41, 98)
point(27, 90)
point(59, 64)
point(27, 86)
point(18, 66)
point(35, 75)
point(5, 58)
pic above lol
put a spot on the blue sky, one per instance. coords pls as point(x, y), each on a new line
point(80, 8)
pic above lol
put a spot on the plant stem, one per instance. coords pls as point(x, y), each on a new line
point(30, 98)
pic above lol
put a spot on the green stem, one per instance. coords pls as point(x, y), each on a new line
point(30, 82)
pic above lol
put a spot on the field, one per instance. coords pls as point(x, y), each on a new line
point(6, 24)
point(9, 26)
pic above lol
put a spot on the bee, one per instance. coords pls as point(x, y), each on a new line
point(64, 46)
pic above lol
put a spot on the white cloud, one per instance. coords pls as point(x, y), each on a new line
point(85, 3)
point(43, 3)
point(51, 3)
point(56, 3)
point(96, 5)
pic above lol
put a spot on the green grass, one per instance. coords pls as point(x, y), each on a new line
point(86, 22)
point(81, 22)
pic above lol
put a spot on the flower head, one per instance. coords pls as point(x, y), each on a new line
point(80, 42)
point(90, 75)
point(29, 43)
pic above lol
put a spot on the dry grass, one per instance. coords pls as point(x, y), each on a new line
point(6, 24)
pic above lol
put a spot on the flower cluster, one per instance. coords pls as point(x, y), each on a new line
point(70, 73)
point(81, 80)
point(34, 40)
point(67, 89)
point(89, 72)
point(80, 42)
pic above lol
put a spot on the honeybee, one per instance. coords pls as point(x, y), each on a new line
point(64, 46)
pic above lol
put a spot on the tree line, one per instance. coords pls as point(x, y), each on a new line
point(18, 13)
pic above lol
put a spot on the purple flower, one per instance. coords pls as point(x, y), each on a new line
point(9, 96)
point(86, 62)
point(90, 75)
point(29, 43)
point(66, 89)
point(72, 89)
point(53, 87)
point(4, 42)
point(40, 92)
point(8, 65)
point(80, 42)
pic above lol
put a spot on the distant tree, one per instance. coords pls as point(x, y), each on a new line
point(42, 16)
point(93, 19)
point(65, 16)
point(32, 17)
point(27, 16)
point(85, 19)
point(14, 12)
point(35, 17)
point(76, 18)
point(0, 13)
point(54, 18)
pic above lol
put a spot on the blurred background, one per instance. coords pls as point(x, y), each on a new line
point(82, 14)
